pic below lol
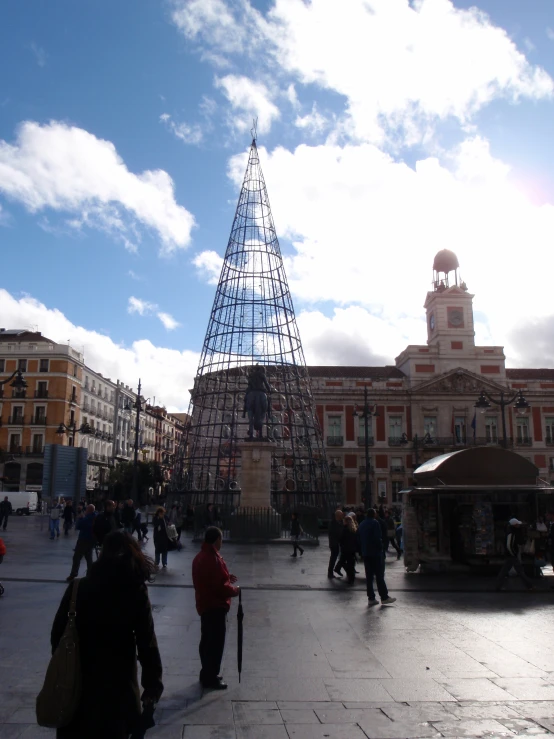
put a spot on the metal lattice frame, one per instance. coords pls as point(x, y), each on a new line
point(252, 322)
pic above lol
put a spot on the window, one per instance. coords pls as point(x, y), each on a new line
point(42, 389)
point(361, 427)
point(396, 464)
point(38, 443)
point(549, 429)
point(72, 418)
point(491, 430)
point(460, 429)
point(70, 441)
point(17, 413)
point(40, 414)
point(44, 365)
point(93, 405)
point(395, 427)
point(551, 464)
point(335, 426)
point(522, 431)
point(15, 443)
point(396, 488)
point(429, 426)
point(2, 365)
point(86, 382)
point(22, 365)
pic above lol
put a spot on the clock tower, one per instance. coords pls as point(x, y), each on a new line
point(449, 307)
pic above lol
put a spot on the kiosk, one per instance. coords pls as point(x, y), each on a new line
point(456, 514)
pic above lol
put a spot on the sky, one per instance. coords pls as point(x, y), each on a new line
point(387, 130)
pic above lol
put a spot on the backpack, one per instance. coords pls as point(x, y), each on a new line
point(59, 698)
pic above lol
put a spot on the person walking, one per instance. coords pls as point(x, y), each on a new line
point(128, 516)
point(55, 514)
point(137, 524)
point(84, 545)
point(349, 545)
point(391, 533)
point(68, 515)
point(514, 545)
point(295, 531)
point(161, 539)
point(105, 523)
point(115, 626)
point(6, 510)
point(371, 543)
point(336, 526)
point(214, 587)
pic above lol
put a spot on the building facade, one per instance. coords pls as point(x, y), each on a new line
point(424, 405)
point(31, 418)
point(97, 411)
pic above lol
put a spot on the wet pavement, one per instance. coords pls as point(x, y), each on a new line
point(447, 659)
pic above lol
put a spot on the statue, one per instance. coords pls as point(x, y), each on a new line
point(256, 401)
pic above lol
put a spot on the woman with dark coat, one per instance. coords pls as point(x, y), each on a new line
point(161, 539)
point(349, 546)
point(114, 622)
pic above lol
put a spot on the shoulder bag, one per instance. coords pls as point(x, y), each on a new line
point(60, 695)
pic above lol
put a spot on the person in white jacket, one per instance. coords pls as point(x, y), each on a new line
point(55, 515)
point(513, 543)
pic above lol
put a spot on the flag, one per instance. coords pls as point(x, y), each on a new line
point(474, 423)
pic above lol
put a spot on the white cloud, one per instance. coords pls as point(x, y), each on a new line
point(251, 100)
point(39, 53)
point(190, 134)
point(166, 373)
point(400, 65)
point(144, 308)
point(550, 33)
point(133, 275)
point(168, 321)
point(67, 169)
point(313, 122)
point(208, 263)
point(365, 230)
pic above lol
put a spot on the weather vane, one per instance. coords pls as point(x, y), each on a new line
point(254, 129)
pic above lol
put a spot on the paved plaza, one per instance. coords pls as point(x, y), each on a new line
point(458, 661)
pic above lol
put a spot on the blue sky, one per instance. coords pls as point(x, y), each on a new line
point(384, 136)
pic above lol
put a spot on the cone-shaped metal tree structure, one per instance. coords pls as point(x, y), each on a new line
point(252, 322)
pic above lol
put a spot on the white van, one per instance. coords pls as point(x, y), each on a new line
point(22, 503)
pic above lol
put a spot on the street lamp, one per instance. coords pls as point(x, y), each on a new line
point(366, 412)
point(19, 383)
point(72, 429)
point(521, 406)
point(139, 404)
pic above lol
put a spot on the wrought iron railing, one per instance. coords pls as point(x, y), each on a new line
point(335, 441)
point(362, 441)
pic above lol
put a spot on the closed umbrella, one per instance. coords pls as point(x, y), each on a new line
point(240, 618)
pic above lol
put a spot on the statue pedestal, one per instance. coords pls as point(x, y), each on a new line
point(255, 483)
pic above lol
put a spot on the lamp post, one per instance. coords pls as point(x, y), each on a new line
point(139, 403)
point(484, 402)
point(73, 429)
point(19, 383)
point(366, 412)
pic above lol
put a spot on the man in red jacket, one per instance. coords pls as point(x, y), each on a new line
point(214, 590)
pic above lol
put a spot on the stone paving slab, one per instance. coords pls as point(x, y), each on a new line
point(317, 663)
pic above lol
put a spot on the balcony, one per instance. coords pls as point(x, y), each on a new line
point(370, 441)
point(398, 440)
point(16, 420)
point(335, 441)
point(41, 394)
point(19, 394)
point(72, 399)
point(524, 441)
point(32, 451)
point(549, 440)
point(362, 468)
point(337, 471)
point(397, 469)
point(39, 421)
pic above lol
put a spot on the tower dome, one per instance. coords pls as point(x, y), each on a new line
point(445, 261)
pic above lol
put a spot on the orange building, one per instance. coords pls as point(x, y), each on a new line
point(30, 418)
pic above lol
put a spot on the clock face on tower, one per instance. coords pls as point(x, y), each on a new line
point(455, 317)
point(432, 321)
